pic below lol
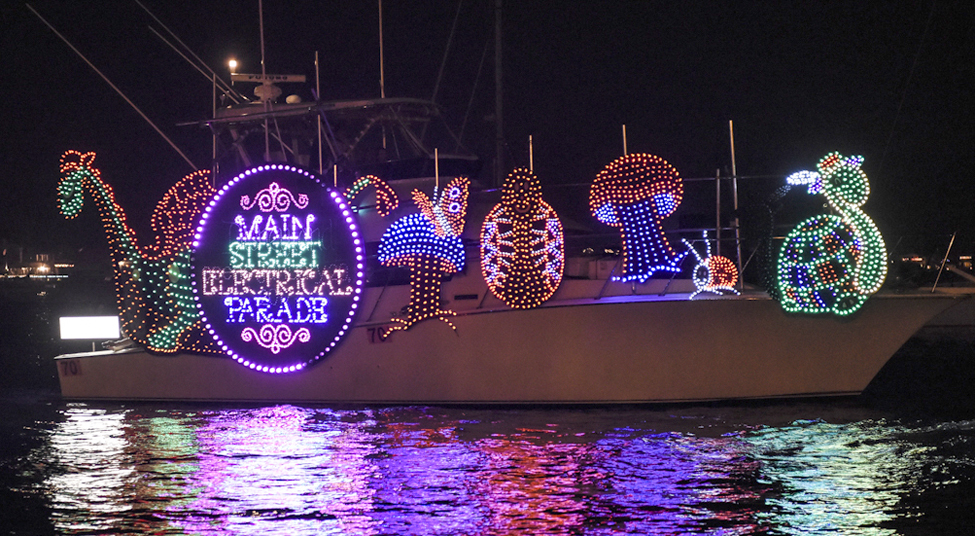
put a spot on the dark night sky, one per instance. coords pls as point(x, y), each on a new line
point(892, 81)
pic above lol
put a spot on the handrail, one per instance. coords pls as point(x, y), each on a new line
point(944, 261)
point(609, 277)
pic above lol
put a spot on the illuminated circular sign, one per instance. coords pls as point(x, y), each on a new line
point(278, 268)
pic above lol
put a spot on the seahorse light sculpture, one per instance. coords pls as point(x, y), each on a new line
point(828, 263)
point(429, 244)
point(522, 245)
point(635, 193)
point(713, 273)
point(156, 307)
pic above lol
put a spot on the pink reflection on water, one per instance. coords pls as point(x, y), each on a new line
point(287, 470)
point(304, 471)
point(542, 482)
point(280, 470)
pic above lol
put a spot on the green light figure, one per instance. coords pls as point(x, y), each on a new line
point(155, 300)
point(829, 263)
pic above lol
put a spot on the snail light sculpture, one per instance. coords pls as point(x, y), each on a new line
point(713, 273)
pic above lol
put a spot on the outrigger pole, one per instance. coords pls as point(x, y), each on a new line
point(198, 64)
point(113, 86)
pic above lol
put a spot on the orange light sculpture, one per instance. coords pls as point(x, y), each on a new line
point(522, 244)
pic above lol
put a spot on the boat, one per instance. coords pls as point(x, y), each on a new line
point(268, 282)
point(614, 350)
point(602, 335)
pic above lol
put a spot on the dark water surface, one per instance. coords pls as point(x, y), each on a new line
point(817, 467)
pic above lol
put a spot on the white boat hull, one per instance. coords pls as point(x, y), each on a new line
point(614, 350)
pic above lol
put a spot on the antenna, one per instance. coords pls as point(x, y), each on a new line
point(382, 77)
point(734, 191)
point(199, 65)
point(531, 155)
point(731, 133)
point(446, 52)
point(624, 140)
point(498, 117)
point(382, 74)
point(266, 101)
point(205, 70)
point(318, 117)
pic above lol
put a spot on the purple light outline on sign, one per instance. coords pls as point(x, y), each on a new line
point(275, 337)
point(360, 276)
point(274, 198)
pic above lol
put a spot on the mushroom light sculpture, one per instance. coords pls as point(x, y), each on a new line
point(635, 193)
point(429, 244)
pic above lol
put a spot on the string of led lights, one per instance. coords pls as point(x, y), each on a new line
point(386, 199)
point(276, 291)
point(151, 284)
point(428, 244)
point(635, 193)
point(522, 244)
point(829, 263)
point(713, 273)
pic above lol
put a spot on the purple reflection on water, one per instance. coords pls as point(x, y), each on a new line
point(280, 470)
point(423, 471)
point(288, 470)
point(682, 483)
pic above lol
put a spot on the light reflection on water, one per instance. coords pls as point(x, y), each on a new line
point(293, 471)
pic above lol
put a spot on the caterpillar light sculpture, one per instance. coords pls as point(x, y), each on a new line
point(522, 245)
